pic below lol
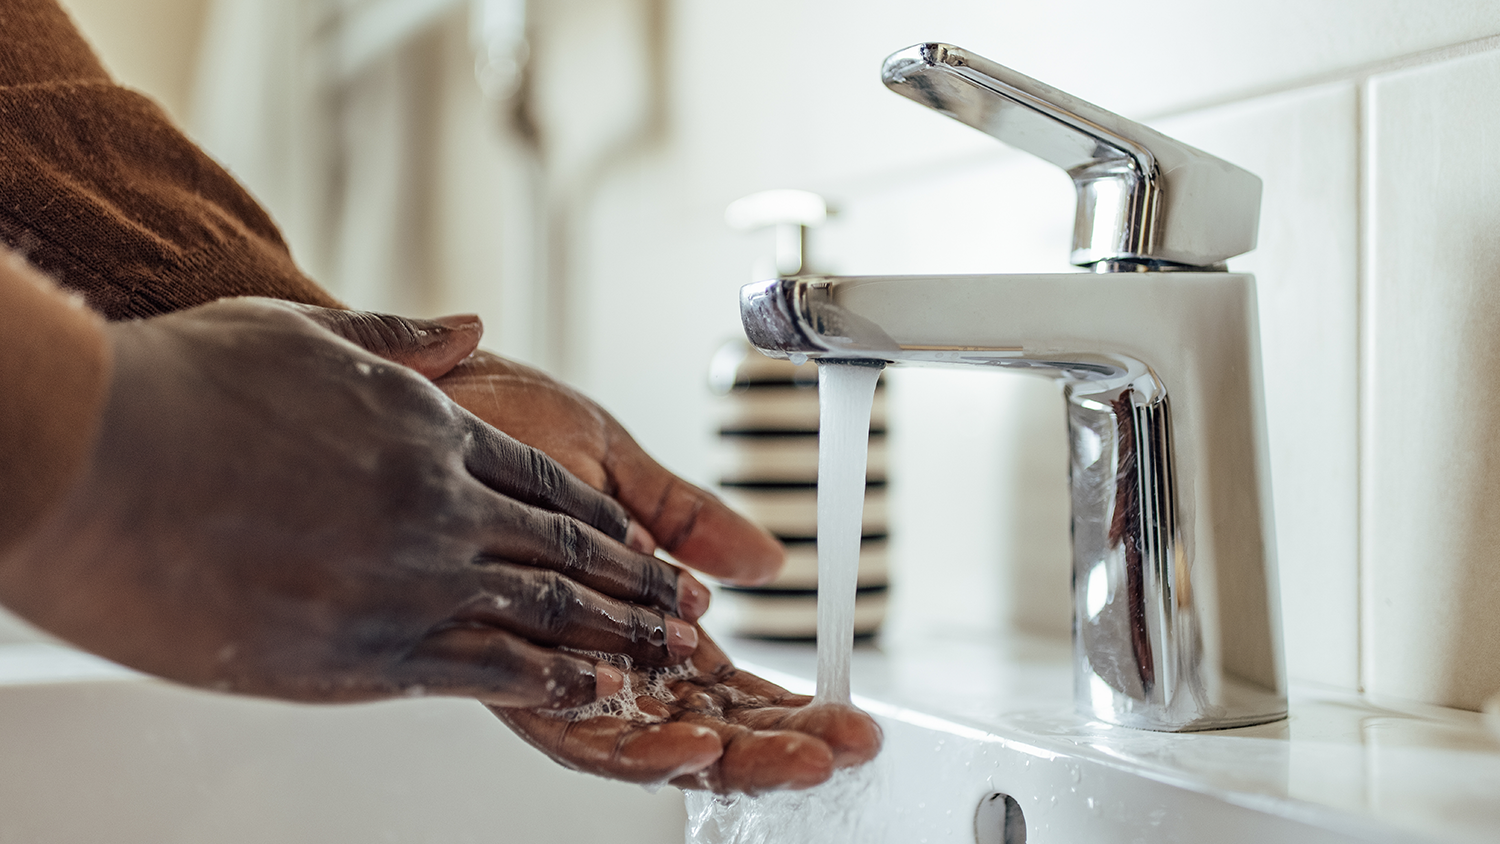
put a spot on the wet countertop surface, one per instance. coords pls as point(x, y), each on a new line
point(1373, 770)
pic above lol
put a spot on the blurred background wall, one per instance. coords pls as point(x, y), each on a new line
point(578, 207)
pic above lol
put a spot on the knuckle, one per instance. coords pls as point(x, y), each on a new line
point(647, 633)
point(656, 583)
point(553, 608)
point(543, 474)
point(569, 541)
point(611, 518)
point(677, 512)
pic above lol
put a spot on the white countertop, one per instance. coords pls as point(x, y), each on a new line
point(968, 717)
point(1369, 769)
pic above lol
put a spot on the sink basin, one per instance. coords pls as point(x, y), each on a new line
point(95, 752)
point(92, 752)
point(966, 719)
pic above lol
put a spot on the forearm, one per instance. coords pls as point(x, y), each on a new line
point(54, 367)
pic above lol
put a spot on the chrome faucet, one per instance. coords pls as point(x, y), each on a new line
point(1176, 621)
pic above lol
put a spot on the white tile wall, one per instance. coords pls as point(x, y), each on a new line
point(1304, 146)
point(789, 91)
point(1376, 355)
point(1432, 506)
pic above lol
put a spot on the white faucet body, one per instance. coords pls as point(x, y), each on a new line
point(1176, 623)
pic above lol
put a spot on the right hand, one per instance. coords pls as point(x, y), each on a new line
point(272, 509)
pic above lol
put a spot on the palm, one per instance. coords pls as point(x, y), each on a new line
point(725, 730)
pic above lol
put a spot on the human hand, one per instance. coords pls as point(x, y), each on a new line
point(689, 523)
point(274, 510)
point(723, 729)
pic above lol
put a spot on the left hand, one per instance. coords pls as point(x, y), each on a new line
point(690, 523)
point(725, 730)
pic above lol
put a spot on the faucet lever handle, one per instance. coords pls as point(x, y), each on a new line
point(1144, 199)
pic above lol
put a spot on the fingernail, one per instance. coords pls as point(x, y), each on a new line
point(682, 638)
point(607, 680)
point(692, 597)
point(639, 539)
point(458, 322)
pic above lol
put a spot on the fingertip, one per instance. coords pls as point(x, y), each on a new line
point(682, 638)
point(460, 322)
point(608, 680)
point(731, 548)
point(757, 566)
point(852, 735)
point(773, 761)
point(692, 597)
point(442, 343)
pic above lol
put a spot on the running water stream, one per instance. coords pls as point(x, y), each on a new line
point(846, 392)
point(832, 811)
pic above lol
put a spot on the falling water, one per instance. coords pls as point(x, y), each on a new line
point(846, 392)
point(835, 810)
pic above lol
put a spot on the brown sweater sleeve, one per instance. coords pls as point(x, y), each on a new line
point(99, 190)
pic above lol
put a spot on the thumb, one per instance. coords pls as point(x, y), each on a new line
point(430, 346)
point(691, 523)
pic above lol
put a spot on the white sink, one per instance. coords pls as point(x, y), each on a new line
point(967, 719)
point(91, 752)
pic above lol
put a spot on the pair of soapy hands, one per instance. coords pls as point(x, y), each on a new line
point(319, 505)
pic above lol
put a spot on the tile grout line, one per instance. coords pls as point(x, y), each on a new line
point(1364, 263)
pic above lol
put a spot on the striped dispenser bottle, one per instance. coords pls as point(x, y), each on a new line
point(767, 453)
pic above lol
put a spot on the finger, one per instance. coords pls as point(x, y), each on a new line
point(710, 659)
point(617, 748)
point(852, 736)
point(557, 542)
point(519, 471)
point(501, 668)
point(548, 609)
point(430, 346)
point(757, 761)
point(690, 523)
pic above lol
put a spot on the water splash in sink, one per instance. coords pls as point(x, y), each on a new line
point(837, 810)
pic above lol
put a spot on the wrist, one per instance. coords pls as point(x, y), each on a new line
point(54, 375)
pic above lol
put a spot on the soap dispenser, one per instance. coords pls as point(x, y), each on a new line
point(767, 451)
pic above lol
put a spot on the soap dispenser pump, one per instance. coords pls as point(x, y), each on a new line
point(768, 450)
